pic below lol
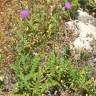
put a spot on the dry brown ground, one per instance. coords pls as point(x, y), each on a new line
point(9, 13)
point(9, 10)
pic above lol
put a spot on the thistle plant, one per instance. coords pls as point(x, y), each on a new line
point(24, 13)
point(67, 5)
point(70, 7)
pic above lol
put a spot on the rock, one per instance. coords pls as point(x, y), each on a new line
point(85, 26)
point(86, 18)
point(87, 33)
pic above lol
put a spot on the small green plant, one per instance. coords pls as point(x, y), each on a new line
point(70, 8)
point(85, 56)
point(1, 75)
point(27, 72)
point(0, 60)
point(35, 79)
point(90, 4)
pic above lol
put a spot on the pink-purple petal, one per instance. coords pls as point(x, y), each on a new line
point(67, 5)
point(24, 13)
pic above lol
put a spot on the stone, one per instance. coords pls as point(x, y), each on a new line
point(86, 18)
point(85, 30)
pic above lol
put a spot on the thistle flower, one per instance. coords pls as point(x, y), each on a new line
point(24, 13)
point(67, 5)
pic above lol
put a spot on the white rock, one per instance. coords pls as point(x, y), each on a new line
point(82, 43)
point(86, 18)
point(86, 30)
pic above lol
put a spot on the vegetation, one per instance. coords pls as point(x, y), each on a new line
point(42, 59)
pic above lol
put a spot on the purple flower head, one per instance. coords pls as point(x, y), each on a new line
point(24, 13)
point(67, 5)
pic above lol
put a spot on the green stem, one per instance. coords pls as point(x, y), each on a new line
point(69, 14)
